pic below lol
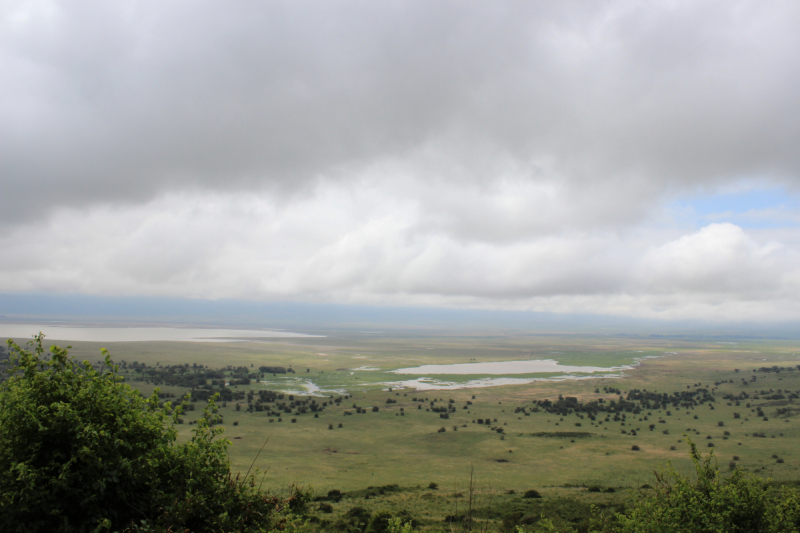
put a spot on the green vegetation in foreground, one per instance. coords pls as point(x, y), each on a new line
point(81, 451)
point(551, 461)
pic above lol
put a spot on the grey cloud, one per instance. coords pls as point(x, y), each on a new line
point(489, 154)
point(119, 103)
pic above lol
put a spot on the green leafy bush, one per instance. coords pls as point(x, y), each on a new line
point(708, 504)
point(81, 451)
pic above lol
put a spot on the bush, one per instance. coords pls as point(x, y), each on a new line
point(386, 522)
point(82, 451)
point(708, 503)
point(355, 520)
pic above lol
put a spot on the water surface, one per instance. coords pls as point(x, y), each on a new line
point(527, 366)
point(435, 384)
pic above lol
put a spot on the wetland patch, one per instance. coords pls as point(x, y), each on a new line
point(504, 368)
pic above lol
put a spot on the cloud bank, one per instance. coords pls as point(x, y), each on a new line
point(495, 155)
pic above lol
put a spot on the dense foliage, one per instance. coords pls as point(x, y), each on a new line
point(81, 451)
point(709, 504)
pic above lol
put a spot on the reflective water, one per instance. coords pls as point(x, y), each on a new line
point(528, 366)
point(302, 387)
point(435, 384)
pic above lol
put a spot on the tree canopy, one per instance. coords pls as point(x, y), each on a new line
point(81, 451)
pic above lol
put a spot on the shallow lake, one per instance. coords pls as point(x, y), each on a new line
point(528, 366)
point(435, 384)
point(302, 387)
point(133, 334)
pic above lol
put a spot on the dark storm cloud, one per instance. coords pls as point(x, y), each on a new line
point(118, 102)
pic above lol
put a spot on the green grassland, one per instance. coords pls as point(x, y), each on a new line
point(402, 443)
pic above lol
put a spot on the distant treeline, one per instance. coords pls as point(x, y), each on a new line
point(274, 370)
point(203, 382)
point(195, 375)
point(777, 369)
point(635, 402)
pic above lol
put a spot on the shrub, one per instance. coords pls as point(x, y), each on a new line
point(532, 494)
point(81, 451)
point(386, 522)
point(335, 495)
point(356, 519)
point(707, 503)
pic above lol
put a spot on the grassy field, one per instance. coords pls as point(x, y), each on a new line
point(403, 443)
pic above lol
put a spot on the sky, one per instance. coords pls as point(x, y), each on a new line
point(619, 158)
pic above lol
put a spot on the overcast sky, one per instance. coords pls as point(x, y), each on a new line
point(620, 157)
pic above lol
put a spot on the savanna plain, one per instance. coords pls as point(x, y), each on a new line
point(330, 414)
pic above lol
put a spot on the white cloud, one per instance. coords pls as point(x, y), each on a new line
point(718, 259)
point(370, 245)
